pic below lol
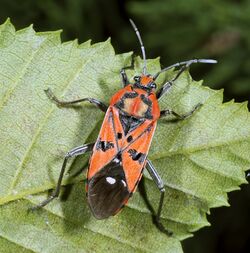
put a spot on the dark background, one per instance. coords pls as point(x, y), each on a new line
point(176, 30)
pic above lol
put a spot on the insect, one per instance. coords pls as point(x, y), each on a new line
point(119, 154)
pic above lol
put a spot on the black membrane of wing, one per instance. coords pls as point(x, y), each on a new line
point(107, 190)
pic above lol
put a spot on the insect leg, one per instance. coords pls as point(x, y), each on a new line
point(170, 83)
point(125, 80)
point(158, 181)
point(58, 102)
point(124, 76)
point(74, 152)
point(178, 116)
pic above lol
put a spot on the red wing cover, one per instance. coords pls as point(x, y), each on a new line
point(116, 164)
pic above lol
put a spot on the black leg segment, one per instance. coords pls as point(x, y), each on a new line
point(58, 102)
point(74, 152)
point(167, 86)
point(178, 116)
point(124, 77)
point(158, 181)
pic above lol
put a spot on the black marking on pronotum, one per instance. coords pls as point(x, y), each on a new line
point(148, 114)
point(130, 138)
point(129, 123)
point(137, 156)
point(148, 102)
point(120, 103)
point(104, 145)
point(119, 135)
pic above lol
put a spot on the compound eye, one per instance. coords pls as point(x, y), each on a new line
point(152, 86)
point(137, 79)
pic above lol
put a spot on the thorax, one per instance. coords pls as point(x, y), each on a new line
point(136, 102)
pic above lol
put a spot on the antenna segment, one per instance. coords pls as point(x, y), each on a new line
point(142, 46)
point(187, 63)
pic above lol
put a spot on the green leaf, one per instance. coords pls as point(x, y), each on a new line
point(200, 159)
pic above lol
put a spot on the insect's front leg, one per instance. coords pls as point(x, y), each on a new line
point(124, 77)
point(167, 86)
point(58, 102)
point(73, 153)
point(159, 182)
point(178, 116)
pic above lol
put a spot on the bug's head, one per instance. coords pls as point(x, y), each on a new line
point(145, 82)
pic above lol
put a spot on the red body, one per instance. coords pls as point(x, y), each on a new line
point(120, 152)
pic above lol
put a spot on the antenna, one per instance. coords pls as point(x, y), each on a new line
point(142, 47)
point(187, 63)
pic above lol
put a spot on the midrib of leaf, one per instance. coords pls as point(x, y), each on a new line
point(44, 121)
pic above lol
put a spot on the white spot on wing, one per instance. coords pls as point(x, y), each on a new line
point(124, 183)
point(110, 180)
point(116, 160)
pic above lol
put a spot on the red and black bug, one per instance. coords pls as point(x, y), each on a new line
point(119, 154)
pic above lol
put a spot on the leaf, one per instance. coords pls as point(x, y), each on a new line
point(200, 159)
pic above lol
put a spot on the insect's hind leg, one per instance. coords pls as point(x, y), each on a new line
point(158, 181)
point(73, 153)
point(58, 102)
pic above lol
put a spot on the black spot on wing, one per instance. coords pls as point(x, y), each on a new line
point(119, 135)
point(130, 138)
point(148, 113)
point(107, 190)
point(104, 145)
point(136, 156)
point(148, 102)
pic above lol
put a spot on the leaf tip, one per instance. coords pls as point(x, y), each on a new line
point(108, 40)
point(85, 44)
point(7, 23)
